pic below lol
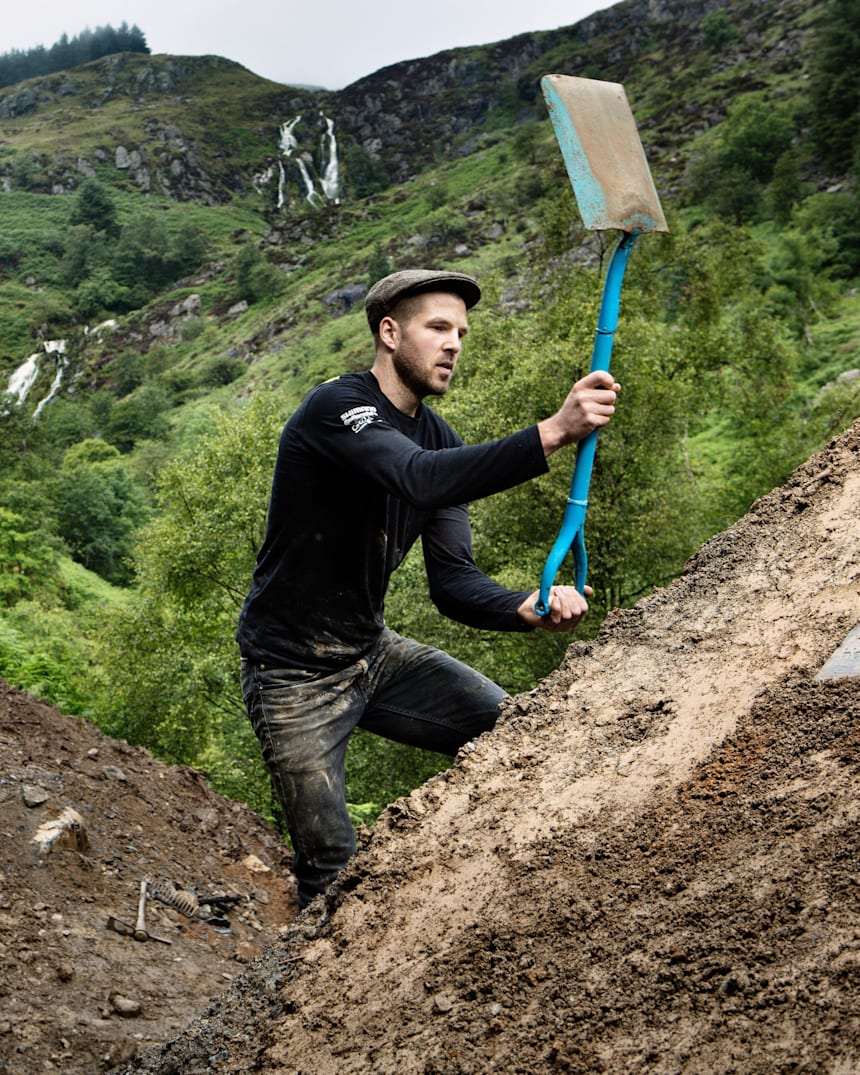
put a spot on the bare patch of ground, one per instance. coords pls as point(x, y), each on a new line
point(650, 865)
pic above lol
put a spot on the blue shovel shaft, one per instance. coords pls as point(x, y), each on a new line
point(572, 532)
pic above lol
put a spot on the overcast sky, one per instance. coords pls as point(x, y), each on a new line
point(322, 44)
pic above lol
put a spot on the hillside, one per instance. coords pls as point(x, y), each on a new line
point(447, 159)
point(649, 865)
point(201, 140)
point(204, 128)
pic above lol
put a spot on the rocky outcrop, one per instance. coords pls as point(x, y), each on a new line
point(412, 114)
point(18, 103)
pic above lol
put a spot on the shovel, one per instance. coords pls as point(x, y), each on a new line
point(614, 190)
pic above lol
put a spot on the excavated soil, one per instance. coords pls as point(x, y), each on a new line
point(76, 996)
point(652, 864)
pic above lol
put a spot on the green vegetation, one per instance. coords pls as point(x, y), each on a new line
point(835, 88)
point(134, 503)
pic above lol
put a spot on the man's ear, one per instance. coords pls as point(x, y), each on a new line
point(389, 332)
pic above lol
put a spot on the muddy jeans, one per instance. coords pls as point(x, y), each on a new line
point(401, 689)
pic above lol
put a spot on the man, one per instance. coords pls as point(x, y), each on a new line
point(363, 470)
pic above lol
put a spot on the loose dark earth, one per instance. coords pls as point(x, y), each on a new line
point(652, 864)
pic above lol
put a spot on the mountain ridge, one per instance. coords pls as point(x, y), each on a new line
point(411, 114)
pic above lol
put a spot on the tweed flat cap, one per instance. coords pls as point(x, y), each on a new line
point(387, 292)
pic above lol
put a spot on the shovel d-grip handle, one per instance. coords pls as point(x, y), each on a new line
point(572, 532)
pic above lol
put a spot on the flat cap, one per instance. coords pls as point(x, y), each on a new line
point(387, 292)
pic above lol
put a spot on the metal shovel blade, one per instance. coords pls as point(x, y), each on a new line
point(603, 155)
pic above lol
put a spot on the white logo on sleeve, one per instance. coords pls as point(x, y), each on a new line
point(359, 417)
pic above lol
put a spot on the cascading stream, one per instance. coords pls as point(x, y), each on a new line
point(328, 187)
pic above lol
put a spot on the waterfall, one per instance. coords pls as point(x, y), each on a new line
point(282, 178)
point(287, 144)
point(55, 387)
point(329, 181)
point(111, 323)
point(310, 194)
point(23, 378)
point(53, 347)
point(262, 179)
point(331, 177)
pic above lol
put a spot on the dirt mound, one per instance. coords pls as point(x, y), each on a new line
point(651, 864)
point(84, 821)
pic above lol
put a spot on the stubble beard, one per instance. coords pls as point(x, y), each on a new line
point(415, 379)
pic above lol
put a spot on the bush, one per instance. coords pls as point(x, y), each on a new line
point(256, 279)
point(190, 328)
point(43, 651)
point(220, 370)
point(27, 560)
point(99, 508)
point(140, 416)
point(717, 30)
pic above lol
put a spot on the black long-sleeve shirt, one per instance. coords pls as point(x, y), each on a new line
point(356, 483)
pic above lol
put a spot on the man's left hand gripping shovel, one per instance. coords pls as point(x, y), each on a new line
point(613, 188)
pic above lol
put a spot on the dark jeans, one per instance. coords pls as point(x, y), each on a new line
point(401, 689)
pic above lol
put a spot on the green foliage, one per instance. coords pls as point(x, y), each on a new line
point(15, 429)
point(717, 30)
point(28, 562)
point(832, 222)
point(756, 135)
point(98, 508)
point(835, 82)
point(731, 171)
point(437, 195)
point(86, 251)
point(149, 256)
point(256, 278)
point(363, 173)
point(835, 407)
point(95, 207)
point(787, 189)
point(90, 255)
point(10, 254)
point(190, 329)
point(378, 266)
point(220, 370)
point(140, 416)
point(44, 651)
point(170, 657)
point(99, 294)
point(45, 645)
point(799, 285)
point(755, 392)
point(746, 371)
point(379, 771)
point(560, 226)
point(89, 451)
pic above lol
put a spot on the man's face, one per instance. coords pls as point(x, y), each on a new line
point(428, 334)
